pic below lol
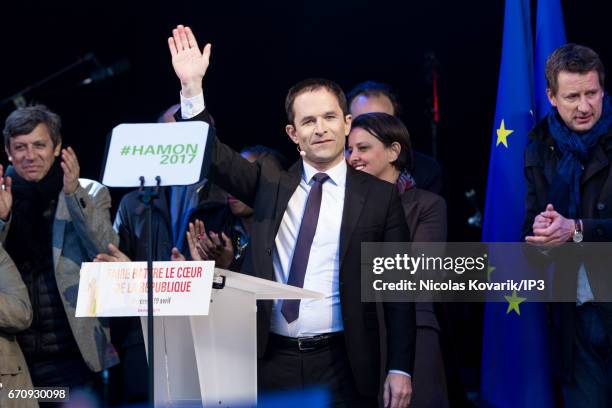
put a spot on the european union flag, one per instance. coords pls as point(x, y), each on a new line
point(505, 203)
point(550, 35)
point(516, 362)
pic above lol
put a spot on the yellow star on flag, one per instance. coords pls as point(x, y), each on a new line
point(502, 134)
point(513, 303)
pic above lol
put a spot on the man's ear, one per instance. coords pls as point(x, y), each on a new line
point(394, 151)
point(58, 149)
point(290, 129)
point(8, 154)
point(551, 97)
point(348, 120)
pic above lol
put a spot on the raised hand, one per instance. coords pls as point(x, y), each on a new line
point(6, 197)
point(190, 64)
point(195, 249)
point(70, 166)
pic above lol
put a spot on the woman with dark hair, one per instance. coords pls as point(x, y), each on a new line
point(379, 144)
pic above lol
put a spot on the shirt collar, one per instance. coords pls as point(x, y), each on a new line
point(337, 174)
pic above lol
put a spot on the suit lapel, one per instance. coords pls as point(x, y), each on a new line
point(289, 181)
point(354, 200)
point(62, 217)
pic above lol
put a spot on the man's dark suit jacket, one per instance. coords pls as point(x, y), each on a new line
point(372, 213)
point(541, 159)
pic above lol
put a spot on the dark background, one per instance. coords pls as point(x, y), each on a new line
point(259, 50)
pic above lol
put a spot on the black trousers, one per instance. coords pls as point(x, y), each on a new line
point(285, 368)
point(128, 379)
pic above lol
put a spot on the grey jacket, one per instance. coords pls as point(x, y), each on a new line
point(15, 316)
point(82, 229)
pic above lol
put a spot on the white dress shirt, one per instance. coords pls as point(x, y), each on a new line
point(317, 316)
point(193, 106)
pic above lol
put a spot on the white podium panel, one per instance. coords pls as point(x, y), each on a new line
point(213, 359)
point(225, 343)
point(176, 380)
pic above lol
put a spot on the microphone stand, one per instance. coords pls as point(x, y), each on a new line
point(431, 65)
point(18, 98)
point(146, 196)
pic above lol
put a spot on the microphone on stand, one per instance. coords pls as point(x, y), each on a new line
point(19, 98)
point(105, 72)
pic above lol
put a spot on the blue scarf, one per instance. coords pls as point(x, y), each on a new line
point(575, 148)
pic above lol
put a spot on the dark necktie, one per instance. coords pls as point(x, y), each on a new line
point(291, 307)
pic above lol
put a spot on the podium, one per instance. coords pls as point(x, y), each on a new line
point(211, 361)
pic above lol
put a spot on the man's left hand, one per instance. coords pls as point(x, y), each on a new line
point(558, 232)
point(71, 168)
point(397, 391)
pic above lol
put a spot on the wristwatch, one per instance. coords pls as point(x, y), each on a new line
point(578, 236)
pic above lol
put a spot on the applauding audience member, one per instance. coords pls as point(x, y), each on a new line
point(51, 221)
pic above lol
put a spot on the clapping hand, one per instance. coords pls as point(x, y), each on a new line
point(70, 166)
point(6, 197)
point(113, 255)
point(203, 246)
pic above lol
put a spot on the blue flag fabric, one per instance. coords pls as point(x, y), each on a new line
point(505, 203)
point(516, 369)
point(550, 34)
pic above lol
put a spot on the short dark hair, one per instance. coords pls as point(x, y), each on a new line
point(373, 88)
point(23, 121)
point(572, 58)
point(309, 85)
point(388, 129)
